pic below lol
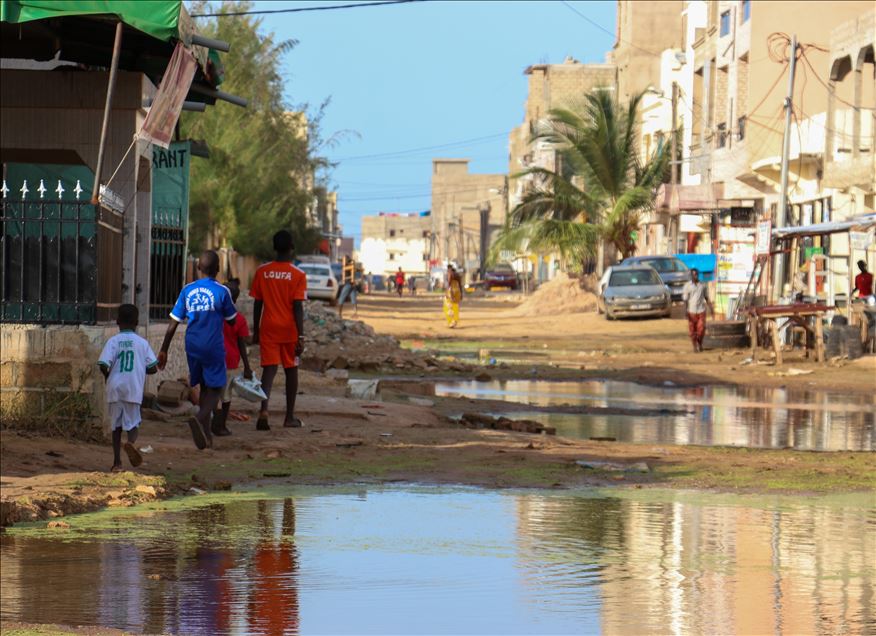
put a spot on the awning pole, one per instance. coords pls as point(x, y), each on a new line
point(110, 91)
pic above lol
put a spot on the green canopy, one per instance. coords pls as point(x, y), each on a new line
point(157, 18)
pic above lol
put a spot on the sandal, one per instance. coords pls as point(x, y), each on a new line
point(133, 454)
point(197, 433)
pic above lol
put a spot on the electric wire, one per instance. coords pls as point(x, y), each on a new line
point(357, 5)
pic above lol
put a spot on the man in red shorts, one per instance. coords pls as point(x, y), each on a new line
point(279, 289)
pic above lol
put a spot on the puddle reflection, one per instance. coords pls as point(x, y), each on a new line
point(419, 560)
point(755, 417)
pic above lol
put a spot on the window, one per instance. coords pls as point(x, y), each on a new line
point(746, 10)
point(722, 135)
point(740, 128)
point(725, 23)
point(425, 257)
point(391, 256)
point(425, 233)
point(391, 233)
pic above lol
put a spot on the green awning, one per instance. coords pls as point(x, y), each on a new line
point(157, 18)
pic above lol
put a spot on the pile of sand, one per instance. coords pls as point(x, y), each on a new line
point(562, 295)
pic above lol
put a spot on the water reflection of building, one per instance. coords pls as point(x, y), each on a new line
point(674, 567)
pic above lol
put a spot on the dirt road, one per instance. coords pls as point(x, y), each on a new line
point(643, 350)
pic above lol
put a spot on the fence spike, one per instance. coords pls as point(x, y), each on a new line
point(4, 189)
point(24, 190)
point(78, 189)
point(60, 190)
point(42, 189)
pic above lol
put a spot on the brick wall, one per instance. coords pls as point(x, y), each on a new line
point(49, 374)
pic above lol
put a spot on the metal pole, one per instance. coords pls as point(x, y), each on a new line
point(673, 213)
point(110, 91)
point(485, 224)
point(781, 212)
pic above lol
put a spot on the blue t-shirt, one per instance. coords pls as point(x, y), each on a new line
point(206, 305)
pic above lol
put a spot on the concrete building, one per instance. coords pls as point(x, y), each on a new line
point(390, 241)
point(731, 92)
point(550, 86)
point(457, 198)
point(644, 31)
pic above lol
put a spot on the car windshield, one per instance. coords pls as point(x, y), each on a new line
point(315, 270)
point(503, 269)
point(633, 277)
point(665, 265)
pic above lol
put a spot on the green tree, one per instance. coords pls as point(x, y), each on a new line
point(599, 190)
point(259, 176)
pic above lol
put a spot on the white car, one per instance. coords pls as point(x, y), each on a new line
point(321, 281)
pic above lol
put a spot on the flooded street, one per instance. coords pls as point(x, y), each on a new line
point(707, 415)
point(440, 560)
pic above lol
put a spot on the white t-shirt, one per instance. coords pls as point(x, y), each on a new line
point(127, 356)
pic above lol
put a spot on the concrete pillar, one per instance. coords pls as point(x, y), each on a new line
point(830, 122)
point(856, 114)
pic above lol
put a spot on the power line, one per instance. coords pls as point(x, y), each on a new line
point(301, 9)
point(400, 153)
point(602, 28)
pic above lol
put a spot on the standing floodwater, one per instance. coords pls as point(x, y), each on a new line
point(421, 560)
point(756, 417)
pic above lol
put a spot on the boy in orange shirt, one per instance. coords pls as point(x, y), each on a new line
point(279, 289)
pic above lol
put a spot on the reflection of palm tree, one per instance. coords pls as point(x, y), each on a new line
point(273, 605)
point(598, 189)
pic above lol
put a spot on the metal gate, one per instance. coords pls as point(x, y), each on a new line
point(167, 261)
point(61, 262)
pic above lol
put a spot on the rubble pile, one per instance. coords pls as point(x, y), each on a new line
point(334, 343)
point(562, 295)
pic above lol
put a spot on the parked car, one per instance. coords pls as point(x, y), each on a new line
point(634, 290)
point(502, 275)
point(321, 281)
point(671, 270)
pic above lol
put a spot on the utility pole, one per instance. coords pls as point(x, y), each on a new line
point(673, 163)
point(781, 212)
point(485, 230)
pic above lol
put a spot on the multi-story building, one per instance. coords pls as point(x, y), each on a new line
point(644, 31)
point(458, 197)
point(732, 147)
point(393, 241)
point(550, 86)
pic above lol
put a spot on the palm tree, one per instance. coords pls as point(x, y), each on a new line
point(599, 190)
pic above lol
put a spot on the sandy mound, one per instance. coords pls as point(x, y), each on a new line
point(562, 295)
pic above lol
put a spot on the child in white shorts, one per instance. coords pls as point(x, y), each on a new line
point(125, 361)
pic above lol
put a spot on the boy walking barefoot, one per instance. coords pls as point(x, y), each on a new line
point(279, 289)
point(235, 350)
point(207, 306)
point(125, 361)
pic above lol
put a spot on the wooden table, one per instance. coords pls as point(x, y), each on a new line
point(807, 315)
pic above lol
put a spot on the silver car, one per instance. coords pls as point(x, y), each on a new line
point(634, 290)
point(671, 271)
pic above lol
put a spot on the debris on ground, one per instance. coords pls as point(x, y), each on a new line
point(479, 420)
point(331, 342)
point(563, 294)
point(593, 464)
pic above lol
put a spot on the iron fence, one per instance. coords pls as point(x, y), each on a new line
point(61, 262)
point(167, 261)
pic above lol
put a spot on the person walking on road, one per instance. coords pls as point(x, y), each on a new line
point(452, 297)
point(400, 281)
point(349, 292)
point(206, 306)
point(279, 289)
point(696, 299)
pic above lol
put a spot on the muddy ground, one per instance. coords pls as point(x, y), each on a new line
point(348, 440)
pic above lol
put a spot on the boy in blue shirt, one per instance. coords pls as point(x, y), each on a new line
point(207, 305)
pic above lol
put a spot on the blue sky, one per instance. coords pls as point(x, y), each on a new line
point(420, 75)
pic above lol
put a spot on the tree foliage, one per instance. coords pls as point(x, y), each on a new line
point(599, 190)
point(259, 176)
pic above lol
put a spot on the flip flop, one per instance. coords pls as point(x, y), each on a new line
point(134, 455)
point(295, 423)
point(197, 433)
point(117, 469)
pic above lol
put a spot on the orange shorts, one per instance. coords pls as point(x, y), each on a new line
point(282, 353)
